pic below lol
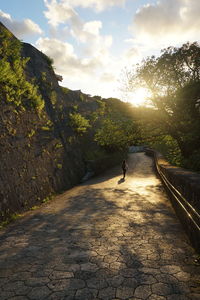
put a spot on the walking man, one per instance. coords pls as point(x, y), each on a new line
point(124, 168)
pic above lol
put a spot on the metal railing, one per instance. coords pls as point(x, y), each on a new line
point(187, 214)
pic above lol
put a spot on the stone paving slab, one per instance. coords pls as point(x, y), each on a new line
point(105, 239)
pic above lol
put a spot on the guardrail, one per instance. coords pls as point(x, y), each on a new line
point(188, 215)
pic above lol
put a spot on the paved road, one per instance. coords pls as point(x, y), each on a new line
point(105, 239)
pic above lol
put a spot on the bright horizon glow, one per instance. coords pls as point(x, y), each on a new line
point(92, 41)
point(139, 97)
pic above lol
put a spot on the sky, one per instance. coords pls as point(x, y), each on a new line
point(92, 41)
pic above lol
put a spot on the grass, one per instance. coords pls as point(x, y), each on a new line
point(15, 216)
point(10, 219)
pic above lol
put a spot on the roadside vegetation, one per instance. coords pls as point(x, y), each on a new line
point(172, 124)
point(14, 87)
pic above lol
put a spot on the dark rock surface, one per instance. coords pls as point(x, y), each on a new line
point(39, 153)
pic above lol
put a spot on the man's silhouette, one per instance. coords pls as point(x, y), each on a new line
point(124, 168)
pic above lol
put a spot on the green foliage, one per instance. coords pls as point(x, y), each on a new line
point(43, 76)
point(173, 79)
point(79, 123)
point(65, 90)
point(117, 128)
point(10, 219)
point(49, 123)
point(14, 88)
point(48, 198)
point(100, 112)
point(82, 98)
point(166, 74)
point(31, 133)
point(108, 135)
point(97, 98)
point(102, 107)
point(115, 135)
point(70, 139)
point(10, 46)
point(169, 148)
point(58, 145)
point(45, 128)
point(34, 207)
point(53, 98)
point(12, 131)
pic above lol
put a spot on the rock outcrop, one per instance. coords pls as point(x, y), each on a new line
point(39, 152)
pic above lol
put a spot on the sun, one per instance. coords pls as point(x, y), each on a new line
point(139, 97)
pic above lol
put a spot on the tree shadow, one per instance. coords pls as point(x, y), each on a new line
point(96, 243)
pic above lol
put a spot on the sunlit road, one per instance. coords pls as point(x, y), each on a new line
point(105, 239)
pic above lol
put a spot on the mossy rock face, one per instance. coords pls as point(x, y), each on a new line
point(14, 86)
point(45, 129)
point(33, 150)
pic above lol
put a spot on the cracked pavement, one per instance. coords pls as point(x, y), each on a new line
point(104, 239)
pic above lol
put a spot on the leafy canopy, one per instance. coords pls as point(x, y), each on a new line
point(173, 79)
point(117, 129)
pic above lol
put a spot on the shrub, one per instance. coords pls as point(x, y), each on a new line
point(14, 88)
point(79, 123)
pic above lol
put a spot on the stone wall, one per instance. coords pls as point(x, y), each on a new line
point(183, 187)
point(40, 154)
point(36, 159)
point(32, 167)
point(100, 165)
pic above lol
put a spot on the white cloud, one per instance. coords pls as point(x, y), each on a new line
point(84, 32)
point(62, 53)
point(167, 22)
point(59, 12)
point(88, 65)
point(62, 34)
point(66, 61)
point(97, 5)
point(92, 27)
point(93, 86)
point(132, 53)
point(108, 77)
point(92, 45)
point(95, 74)
point(20, 28)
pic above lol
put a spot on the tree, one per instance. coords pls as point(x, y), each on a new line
point(174, 82)
point(118, 128)
point(113, 136)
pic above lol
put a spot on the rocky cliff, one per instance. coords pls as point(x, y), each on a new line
point(40, 151)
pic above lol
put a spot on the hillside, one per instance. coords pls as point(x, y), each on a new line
point(47, 131)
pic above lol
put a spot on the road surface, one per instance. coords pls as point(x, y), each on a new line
point(104, 239)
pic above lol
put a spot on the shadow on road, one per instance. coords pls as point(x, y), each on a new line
point(121, 181)
point(97, 242)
